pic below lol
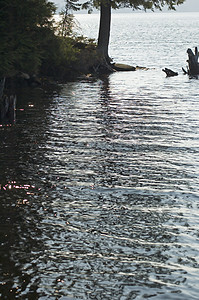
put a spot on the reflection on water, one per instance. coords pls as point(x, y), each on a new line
point(99, 194)
point(99, 190)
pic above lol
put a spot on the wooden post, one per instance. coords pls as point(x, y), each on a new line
point(7, 106)
point(2, 84)
point(193, 65)
point(7, 109)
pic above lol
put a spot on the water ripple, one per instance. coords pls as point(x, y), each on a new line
point(99, 187)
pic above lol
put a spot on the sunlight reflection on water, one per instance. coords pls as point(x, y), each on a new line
point(108, 169)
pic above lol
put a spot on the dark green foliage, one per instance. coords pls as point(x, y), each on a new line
point(148, 4)
point(69, 57)
point(71, 5)
point(24, 25)
point(31, 43)
point(135, 4)
point(66, 24)
point(59, 57)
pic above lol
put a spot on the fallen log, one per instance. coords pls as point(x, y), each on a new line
point(169, 72)
point(193, 65)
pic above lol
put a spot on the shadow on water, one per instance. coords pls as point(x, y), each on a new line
point(19, 191)
point(16, 247)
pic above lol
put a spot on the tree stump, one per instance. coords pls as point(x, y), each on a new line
point(169, 72)
point(193, 65)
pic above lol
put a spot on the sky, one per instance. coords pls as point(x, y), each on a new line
point(189, 5)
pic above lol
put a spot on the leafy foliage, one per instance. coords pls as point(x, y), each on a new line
point(134, 4)
point(23, 27)
point(149, 4)
point(31, 43)
point(67, 23)
point(59, 57)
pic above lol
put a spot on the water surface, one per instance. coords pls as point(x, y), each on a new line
point(99, 181)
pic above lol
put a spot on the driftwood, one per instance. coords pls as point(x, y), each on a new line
point(193, 65)
point(169, 72)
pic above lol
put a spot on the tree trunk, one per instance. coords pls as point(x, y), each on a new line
point(193, 62)
point(104, 29)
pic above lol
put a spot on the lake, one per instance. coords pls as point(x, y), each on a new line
point(99, 181)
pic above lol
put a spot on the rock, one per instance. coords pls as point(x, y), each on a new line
point(23, 75)
point(142, 68)
point(34, 81)
point(23, 79)
point(122, 67)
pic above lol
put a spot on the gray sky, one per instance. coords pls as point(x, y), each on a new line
point(189, 5)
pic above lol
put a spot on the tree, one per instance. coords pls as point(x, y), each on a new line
point(105, 16)
point(24, 25)
point(66, 24)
